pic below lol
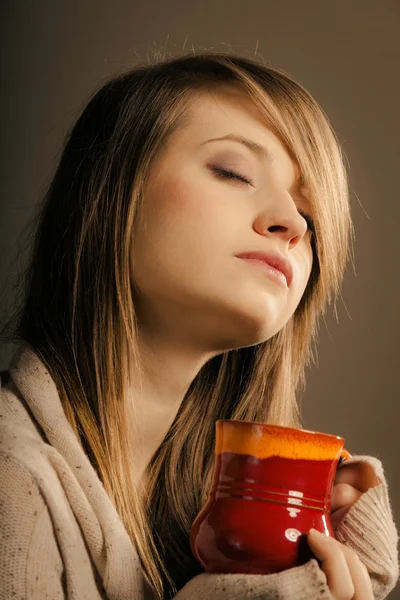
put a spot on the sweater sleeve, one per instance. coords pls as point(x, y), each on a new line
point(369, 529)
point(307, 582)
point(30, 562)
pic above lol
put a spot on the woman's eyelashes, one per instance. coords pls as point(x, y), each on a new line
point(229, 174)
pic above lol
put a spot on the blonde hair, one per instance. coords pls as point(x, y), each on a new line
point(78, 309)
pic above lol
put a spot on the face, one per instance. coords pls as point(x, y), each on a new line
point(205, 203)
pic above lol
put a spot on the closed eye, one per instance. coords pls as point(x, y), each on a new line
point(229, 174)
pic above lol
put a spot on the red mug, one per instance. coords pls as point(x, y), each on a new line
point(271, 484)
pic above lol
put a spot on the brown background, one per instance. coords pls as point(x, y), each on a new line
point(347, 54)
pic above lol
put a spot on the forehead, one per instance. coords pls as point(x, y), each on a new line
point(229, 111)
point(226, 110)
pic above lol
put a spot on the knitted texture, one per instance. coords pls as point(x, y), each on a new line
point(307, 582)
point(369, 529)
point(61, 537)
point(30, 563)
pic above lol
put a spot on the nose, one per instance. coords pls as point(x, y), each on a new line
point(282, 219)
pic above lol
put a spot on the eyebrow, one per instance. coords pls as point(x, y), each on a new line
point(257, 149)
point(261, 151)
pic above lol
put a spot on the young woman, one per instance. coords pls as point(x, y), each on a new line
point(141, 326)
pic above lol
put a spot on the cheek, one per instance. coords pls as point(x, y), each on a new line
point(189, 215)
point(175, 204)
point(177, 232)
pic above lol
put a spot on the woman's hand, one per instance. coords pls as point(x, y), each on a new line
point(350, 483)
point(347, 576)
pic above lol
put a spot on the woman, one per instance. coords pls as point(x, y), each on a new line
point(141, 326)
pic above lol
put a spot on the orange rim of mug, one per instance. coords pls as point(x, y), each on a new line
point(264, 440)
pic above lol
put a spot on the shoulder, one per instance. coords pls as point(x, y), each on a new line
point(27, 476)
point(19, 493)
point(22, 448)
point(20, 435)
point(29, 465)
point(29, 556)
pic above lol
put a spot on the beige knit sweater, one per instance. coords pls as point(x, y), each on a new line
point(60, 536)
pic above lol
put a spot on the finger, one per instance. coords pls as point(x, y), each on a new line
point(338, 516)
point(359, 574)
point(333, 564)
point(344, 494)
point(359, 475)
point(352, 581)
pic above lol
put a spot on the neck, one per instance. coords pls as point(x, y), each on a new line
point(168, 371)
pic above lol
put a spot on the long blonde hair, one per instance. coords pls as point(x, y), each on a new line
point(78, 309)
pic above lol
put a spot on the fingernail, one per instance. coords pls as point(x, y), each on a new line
point(319, 535)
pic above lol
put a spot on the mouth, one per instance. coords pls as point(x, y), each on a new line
point(275, 264)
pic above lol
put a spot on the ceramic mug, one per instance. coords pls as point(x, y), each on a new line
point(271, 484)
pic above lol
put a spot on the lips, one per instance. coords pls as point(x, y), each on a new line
point(273, 260)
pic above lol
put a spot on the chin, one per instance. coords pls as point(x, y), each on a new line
point(247, 328)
